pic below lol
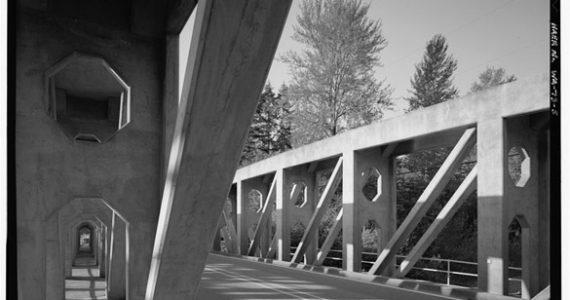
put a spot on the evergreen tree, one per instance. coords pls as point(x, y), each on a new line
point(492, 77)
point(431, 83)
point(270, 131)
point(334, 87)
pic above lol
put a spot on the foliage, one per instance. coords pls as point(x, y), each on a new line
point(432, 82)
point(334, 87)
point(492, 77)
point(270, 131)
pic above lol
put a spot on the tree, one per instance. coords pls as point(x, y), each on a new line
point(334, 87)
point(492, 77)
point(432, 82)
point(270, 131)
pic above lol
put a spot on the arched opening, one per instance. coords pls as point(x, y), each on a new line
point(85, 240)
point(86, 245)
point(518, 257)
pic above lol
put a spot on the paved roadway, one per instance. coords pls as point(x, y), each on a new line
point(233, 278)
point(85, 284)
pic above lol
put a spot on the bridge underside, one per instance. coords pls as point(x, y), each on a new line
point(111, 132)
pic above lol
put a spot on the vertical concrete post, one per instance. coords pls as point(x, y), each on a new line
point(117, 265)
point(101, 249)
point(281, 216)
point(242, 191)
point(383, 209)
point(492, 236)
point(351, 235)
point(528, 200)
point(311, 204)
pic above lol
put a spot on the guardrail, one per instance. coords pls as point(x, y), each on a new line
point(448, 271)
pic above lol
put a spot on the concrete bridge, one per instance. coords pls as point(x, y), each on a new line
point(128, 136)
point(496, 123)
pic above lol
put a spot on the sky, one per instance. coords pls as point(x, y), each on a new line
point(512, 34)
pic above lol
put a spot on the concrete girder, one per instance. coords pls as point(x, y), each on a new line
point(425, 201)
point(232, 47)
point(262, 222)
point(320, 210)
point(447, 212)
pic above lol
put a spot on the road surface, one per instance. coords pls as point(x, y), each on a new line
point(233, 278)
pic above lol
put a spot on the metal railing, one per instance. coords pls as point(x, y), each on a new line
point(447, 263)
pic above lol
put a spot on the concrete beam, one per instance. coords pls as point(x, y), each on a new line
point(447, 212)
point(231, 240)
point(282, 233)
point(118, 260)
point(329, 241)
point(263, 219)
point(320, 210)
point(351, 233)
point(508, 100)
point(430, 194)
point(232, 47)
point(492, 235)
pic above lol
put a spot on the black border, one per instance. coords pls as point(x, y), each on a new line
point(11, 246)
point(555, 165)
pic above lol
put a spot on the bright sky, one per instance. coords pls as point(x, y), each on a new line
point(512, 34)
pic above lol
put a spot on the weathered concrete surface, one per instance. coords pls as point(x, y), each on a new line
point(52, 169)
point(118, 259)
point(507, 100)
point(234, 43)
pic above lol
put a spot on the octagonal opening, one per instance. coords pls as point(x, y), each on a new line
point(298, 193)
point(87, 98)
point(519, 166)
point(254, 201)
point(372, 188)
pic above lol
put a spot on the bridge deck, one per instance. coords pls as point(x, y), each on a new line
point(234, 278)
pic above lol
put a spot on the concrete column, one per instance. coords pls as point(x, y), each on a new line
point(107, 251)
point(492, 235)
point(31, 259)
point(282, 216)
point(382, 209)
point(528, 203)
point(351, 231)
point(117, 265)
point(55, 274)
point(242, 190)
point(101, 250)
point(310, 206)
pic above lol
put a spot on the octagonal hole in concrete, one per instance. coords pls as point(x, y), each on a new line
point(87, 98)
point(519, 166)
point(254, 201)
point(372, 188)
point(298, 193)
